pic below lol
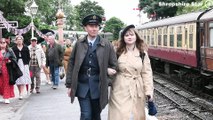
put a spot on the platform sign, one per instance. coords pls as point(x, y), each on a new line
point(12, 23)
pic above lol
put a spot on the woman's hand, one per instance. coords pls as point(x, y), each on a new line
point(111, 71)
point(149, 98)
point(69, 90)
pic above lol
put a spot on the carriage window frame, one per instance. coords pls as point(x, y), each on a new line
point(159, 38)
point(144, 36)
point(148, 37)
point(179, 31)
point(186, 31)
point(211, 35)
point(191, 36)
point(152, 37)
point(165, 35)
point(171, 35)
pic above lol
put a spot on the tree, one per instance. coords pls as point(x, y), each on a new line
point(85, 8)
point(15, 10)
point(114, 25)
point(69, 14)
point(156, 8)
point(198, 5)
point(12, 7)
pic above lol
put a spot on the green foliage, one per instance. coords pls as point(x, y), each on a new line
point(85, 8)
point(153, 6)
point(114, 25)
point(12, 7)
point(199, 6)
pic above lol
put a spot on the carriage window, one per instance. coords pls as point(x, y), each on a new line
point(152, 37)
point(179, 36)
point(211, 37)
point(191, 31)
point(148, 37)
point(141, 33)
point(165, 37)
point(171, 37)
point(144, 35)
point(159, 36)
point(186, 35)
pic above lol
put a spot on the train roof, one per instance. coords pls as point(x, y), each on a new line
point(208, 15)
point(190, 17)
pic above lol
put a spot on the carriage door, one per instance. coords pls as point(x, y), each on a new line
point(207, 52)
point(202, 45)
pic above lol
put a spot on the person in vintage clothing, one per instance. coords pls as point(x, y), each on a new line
point(67, 53)
point(6, 54)
point(23, 58)
point(134, 80)
point(92, 60)
point(54, 57)
point(46, 69)
point(37, 62)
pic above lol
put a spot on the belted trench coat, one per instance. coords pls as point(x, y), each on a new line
point(106, 59)
point(134, 80)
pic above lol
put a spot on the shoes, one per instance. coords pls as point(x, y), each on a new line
point(20, 97)
point(54, 87)
point(7, 101)
point(49, 83)
point(31, 91)
point(37, 91)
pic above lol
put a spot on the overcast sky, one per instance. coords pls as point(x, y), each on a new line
point(122, 9)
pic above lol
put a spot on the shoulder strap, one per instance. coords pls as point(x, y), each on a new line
point(142, 55)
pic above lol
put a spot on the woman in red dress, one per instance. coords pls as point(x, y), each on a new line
point(6, 90)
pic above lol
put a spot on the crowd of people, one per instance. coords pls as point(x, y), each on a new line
point(30, 61)
point(91, 65)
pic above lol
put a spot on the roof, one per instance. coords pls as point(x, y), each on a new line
point(208, 15)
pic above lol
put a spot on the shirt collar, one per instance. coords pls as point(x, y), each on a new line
point(92, 41)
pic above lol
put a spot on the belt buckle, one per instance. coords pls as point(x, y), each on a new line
point(89, 71)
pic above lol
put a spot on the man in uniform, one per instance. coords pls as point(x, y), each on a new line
point(92, 60)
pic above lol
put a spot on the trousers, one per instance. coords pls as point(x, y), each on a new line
point(90, 108)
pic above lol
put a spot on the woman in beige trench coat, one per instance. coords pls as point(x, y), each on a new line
point(134, 80)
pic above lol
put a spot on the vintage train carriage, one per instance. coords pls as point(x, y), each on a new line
point(185, 40)
point(205, 35)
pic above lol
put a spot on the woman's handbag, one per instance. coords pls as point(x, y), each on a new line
point(61, 72)
point(152, 109)
point(14, 71)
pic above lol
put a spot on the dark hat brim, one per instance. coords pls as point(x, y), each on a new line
point(44, 31)
point(92, 19)
point(126, 29)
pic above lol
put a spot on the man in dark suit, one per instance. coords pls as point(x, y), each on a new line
point(92, 60)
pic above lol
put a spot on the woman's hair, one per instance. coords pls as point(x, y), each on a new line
point(5, 42)
point(19, 36)
point(122, 45)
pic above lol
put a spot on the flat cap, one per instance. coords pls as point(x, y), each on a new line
point(47, 32)
point(126, 29)
point(92, 19)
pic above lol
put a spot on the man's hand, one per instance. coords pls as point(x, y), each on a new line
point(69, 92)
point(111, 71)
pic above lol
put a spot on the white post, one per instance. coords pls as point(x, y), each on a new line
point(32, 27)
